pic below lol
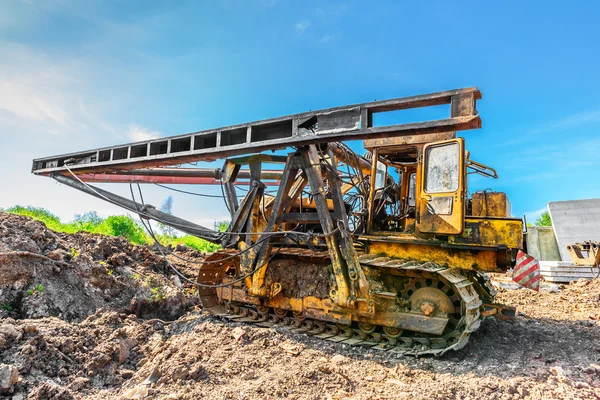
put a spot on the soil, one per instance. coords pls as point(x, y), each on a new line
point(90, 317)
point(299, 278)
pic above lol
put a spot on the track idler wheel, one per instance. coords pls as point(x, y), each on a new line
point(366, 327)
point(392, 331)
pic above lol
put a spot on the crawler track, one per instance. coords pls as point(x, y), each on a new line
point(458, 286)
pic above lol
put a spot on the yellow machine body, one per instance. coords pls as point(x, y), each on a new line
point(412, 258)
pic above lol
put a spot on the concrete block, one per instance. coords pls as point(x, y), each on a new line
point(541, 243)
point(565, 271)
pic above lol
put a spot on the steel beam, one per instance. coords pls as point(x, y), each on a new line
point(198, 173)
point(177, 176)
point(352, 122)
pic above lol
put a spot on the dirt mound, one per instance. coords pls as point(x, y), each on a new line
point(44, 273)
point(578, 301)
point(79, 337)
point(111, 355)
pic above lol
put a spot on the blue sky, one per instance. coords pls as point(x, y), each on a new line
point(81, 74)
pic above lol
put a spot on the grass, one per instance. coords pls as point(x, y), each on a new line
point(39, 288)
point(75, 253)
point(158, 294)
point(116, 225)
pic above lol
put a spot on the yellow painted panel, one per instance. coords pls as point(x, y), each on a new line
point(484, 260)
point(311, 205)
point(491, 232)
point(441, 209)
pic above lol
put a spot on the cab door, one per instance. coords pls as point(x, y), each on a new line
point(441, 199)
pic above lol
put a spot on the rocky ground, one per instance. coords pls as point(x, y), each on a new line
point(86, 316)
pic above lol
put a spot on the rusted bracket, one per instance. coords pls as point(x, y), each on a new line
point(500, 311)
point(352, 286)
point(481, 169)
point(585, 253)
point(281, 204)
point(229, 174)
point(243, 214)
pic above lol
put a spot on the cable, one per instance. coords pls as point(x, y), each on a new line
point(160, 246)
point(170, 223)
point(185, 278)
point(267, 192)
point(137, 211)
point(222, 284)
point(225, 200)
point(151, 233)
point(192, 193)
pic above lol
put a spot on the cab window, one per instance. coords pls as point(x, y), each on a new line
point(412, 189)
point(442, 168)
point(380, 175)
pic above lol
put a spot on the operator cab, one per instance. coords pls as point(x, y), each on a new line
point(420, 185)
point(395, 189)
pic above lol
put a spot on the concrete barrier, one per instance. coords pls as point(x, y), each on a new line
point(541, 243)
point(566, 271)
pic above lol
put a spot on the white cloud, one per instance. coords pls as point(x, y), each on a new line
point(578, 119)
point(568, 122)
point(136, 133)
point(302, 26)
point(331, 10)
point(32, 88)
point(45, 94)
point(571, 121)
point(531, 216)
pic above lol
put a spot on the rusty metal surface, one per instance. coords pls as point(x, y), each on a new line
point(215, 173)
point(492, 232)
point(167, 180)
point(434, 312)
point(500, 311)
point(405, 277)
point(490, 204)
point(406, 140)
point(480, 259)
point(585, 253)
point(442, 188)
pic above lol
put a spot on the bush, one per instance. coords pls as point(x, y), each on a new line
point(39, 214)
point(116, 225)
point(124, 226)
point(195, 243)
point(89, 222)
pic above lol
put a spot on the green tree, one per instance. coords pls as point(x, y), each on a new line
point(221, 226)
point(544, 219)
point(90, 217)
point(167, 207)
